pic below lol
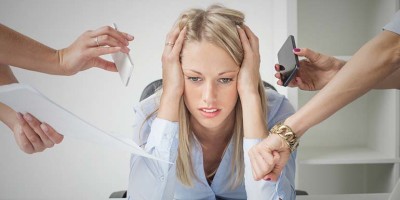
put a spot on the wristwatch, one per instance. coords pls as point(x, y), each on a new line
point(287, 134)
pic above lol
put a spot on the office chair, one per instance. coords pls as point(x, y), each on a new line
point(150, 89)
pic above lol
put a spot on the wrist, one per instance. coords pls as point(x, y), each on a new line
point(8, 116)
point(58, 59)
point(169, 107)
point(287, 135)
point(298, 128)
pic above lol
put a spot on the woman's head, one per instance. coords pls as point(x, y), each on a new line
point(211, 59)
point(216, 25)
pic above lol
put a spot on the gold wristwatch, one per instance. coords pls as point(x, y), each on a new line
point(287, 134)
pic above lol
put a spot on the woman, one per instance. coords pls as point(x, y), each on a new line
point(212, 110)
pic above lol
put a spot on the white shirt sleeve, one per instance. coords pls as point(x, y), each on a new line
point(282, 189)
point(150, 179)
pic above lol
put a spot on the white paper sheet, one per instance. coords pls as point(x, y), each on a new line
point(124, 65)
point(23, 98)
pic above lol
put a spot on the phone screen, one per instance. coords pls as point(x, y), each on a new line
point(288, 60)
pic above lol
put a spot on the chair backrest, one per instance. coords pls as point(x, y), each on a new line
point(155, 85)
point(150, 89)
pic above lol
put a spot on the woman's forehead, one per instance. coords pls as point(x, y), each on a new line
point(199, 56)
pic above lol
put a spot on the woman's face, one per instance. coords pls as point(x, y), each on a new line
point(210, 84)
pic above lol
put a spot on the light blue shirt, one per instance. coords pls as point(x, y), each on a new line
point(156, 180)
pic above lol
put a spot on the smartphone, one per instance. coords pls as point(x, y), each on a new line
point(288, 60)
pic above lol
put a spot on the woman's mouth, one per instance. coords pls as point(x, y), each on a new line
point(210, 112)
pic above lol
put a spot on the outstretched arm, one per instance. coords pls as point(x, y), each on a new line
point(21, 51)
point(376, 64)
point(376, 61)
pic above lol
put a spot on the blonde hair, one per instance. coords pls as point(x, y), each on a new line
point(216, 25)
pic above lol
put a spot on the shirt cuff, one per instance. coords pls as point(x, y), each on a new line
point(163, 135)
point(248, 143)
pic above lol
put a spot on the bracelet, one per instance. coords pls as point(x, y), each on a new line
point(286, 133)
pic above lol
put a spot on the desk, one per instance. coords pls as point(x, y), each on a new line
point(372, 196)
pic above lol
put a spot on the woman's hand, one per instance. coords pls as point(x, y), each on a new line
point(173, 81)
point(314, 72)
point(269, 157)
point(85, 52)
point(30, 134)
point(249, 74)
point(33, 136)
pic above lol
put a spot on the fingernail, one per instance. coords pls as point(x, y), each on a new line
point(27, 117)
point(125, 49)
point(296, 50)
point(19, 116)
point(44, 127)
point(281, 67)
point(130, 37)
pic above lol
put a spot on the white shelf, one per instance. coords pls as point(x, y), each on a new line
point(343, 155)
point(357, 150)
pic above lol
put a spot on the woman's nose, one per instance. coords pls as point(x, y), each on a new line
point(209, 94)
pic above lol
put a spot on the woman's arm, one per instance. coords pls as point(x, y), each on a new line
point(19, 50)
point(151, 179)
point(254, 127)
point(374, 65)
point(376, 61)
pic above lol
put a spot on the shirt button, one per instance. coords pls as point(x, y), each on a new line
point(162, 178)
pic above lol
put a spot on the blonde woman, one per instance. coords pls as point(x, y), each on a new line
point(211, 110)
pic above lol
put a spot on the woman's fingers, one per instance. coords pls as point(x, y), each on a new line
point(122, 38)
point(253, 39)
point(244, 40)
point(176, 50)
point(34, 125)
point(171, 39)
point(53, 135)
point(33, 136)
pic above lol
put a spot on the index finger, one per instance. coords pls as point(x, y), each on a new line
point(107, 30)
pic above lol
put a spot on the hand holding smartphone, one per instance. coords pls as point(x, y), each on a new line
point(288, 60)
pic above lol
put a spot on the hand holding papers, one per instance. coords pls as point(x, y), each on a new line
point(23, 98)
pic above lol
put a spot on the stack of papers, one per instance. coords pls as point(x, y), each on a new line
point(25, 99)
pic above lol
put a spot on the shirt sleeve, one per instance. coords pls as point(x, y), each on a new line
point(394, 25)
point(150, 179)
point(282, 189)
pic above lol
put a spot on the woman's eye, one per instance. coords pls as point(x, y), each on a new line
point(225, 80)
point(194, 79)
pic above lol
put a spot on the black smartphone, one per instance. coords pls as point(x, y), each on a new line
point(288, 60)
